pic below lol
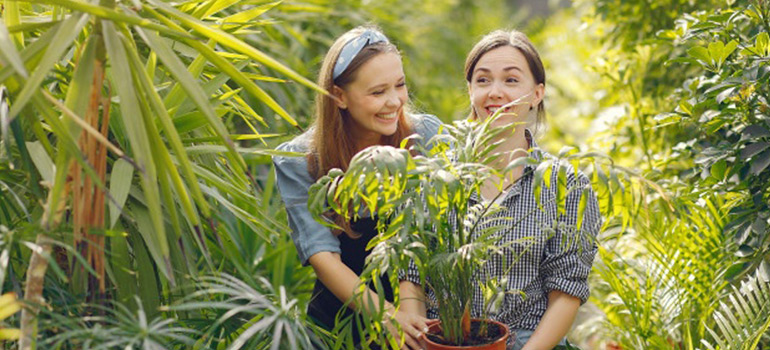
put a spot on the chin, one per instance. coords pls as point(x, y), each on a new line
point(388, 132)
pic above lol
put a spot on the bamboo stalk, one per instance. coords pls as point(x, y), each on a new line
point(33, 292)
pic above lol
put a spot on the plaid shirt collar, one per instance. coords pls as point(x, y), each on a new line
point(534, 153)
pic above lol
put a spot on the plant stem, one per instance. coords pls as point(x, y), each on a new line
point(33, 292)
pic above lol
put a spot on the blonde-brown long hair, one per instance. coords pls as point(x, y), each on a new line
point(333, 145)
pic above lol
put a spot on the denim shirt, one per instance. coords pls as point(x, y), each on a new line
point(294, 181)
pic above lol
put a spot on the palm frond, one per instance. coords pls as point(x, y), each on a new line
point(744, 314)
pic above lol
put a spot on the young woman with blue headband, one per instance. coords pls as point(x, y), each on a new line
point(368, 106)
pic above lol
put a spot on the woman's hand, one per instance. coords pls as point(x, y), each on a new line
point(413, 326)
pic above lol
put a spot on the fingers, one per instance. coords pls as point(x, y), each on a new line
point(412, 338)
point(421, 323)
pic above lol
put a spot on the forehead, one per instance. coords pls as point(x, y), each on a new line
point(383, 68)
point(502, 57)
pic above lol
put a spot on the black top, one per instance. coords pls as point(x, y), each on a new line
point(324, 306)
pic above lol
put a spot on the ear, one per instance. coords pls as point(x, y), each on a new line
point(539, 94)
point(340, 98)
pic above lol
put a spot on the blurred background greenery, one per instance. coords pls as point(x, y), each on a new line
point(675, 92)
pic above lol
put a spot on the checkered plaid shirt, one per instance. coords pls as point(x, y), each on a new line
point(556, 258)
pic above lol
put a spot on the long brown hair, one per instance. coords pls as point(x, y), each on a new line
point(333, 145)
point(517, 40)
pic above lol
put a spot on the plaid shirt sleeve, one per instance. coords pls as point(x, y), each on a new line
point(412, 274)
point(569, 254)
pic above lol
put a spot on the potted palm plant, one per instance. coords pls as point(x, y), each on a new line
point(421, 194)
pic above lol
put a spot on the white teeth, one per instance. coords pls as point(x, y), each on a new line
point(493, 109)
point(388, 116)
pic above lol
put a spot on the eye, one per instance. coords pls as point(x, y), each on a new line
point(511, 80)
point(378, 92)
point(401, 84)
point(482, 80)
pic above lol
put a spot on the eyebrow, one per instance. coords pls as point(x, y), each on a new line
point(506, 69)
point(379, 86)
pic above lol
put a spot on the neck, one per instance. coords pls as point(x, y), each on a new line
point(368, 140)
point(511, 148)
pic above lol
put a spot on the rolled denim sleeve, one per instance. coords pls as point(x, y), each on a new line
point(293, 180)
point(426, 126)
point(569, 254)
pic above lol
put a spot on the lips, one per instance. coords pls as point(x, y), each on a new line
point(493, 108)
point(387, 117)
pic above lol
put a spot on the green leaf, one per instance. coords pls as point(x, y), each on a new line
point(701, 54)
point(760, 162)
point(539, 178)
point(65, 34)
point(31, 27)
point(79, 91)
point(212, 7)
point(158, 109)
point(727, 50)
point(762, 44)
point(8, 54)
point(753, 149)
point(30, 54)
point(715, 50)
point(228, 40)
point(194, 90)
point(112, 15)
point(42, 161)
point(120, 182)
point(250, 14)
point(133, 121)
point(718, 169)
point(586, 193)
point(122, 271)
point(12, 16)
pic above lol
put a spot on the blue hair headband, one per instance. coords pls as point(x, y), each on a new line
point(353, 47)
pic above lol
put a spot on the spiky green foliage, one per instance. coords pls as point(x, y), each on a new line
point(118, 327)
point(418, 194)
point(744, 317)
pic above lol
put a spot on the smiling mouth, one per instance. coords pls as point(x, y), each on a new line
point(388, 116)
point(492, 109)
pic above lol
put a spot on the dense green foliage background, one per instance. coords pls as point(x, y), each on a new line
point(197, 252)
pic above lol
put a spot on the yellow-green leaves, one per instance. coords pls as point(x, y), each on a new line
point(65, 34)
point(713, 56)
point(134, 124)
point(120, 182)
point(761, 46)
point(9, 306)
point(228, 40)
point(8, 54)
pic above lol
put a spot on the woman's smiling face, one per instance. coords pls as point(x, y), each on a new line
point(501, 76)
point(375, 98)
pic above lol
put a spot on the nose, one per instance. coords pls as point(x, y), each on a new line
point(495, 91)
point(394, 100)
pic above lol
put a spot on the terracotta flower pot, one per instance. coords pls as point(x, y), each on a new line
point(497, 344)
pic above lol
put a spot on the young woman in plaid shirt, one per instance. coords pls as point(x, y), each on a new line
point(503, 70)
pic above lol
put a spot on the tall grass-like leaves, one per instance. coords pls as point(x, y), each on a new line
point(8, 54)
point(134, 125)
point(168, 203)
